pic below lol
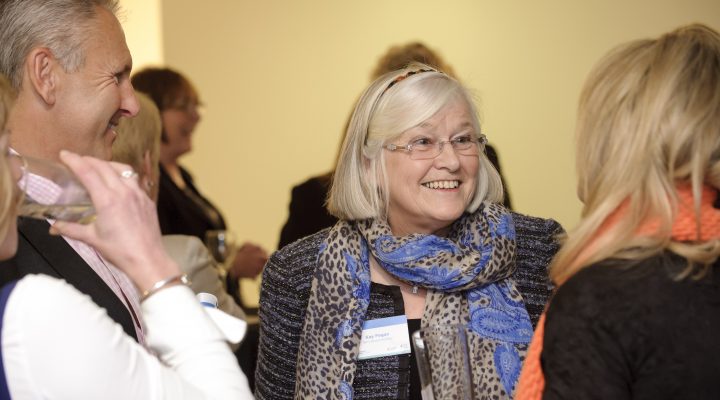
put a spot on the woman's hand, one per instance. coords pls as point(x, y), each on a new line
point(248, 262)
point(126, 230)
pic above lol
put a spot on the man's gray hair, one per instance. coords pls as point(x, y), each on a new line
point(60, 25)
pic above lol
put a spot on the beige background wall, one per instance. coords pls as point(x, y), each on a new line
point(279, 78)
point(142, 22)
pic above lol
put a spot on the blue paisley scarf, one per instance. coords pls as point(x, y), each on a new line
point(468, 280)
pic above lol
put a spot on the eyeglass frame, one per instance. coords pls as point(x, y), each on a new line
point(479, 140)
point(187, 105)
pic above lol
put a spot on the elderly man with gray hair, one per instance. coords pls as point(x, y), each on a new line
point(70, 66)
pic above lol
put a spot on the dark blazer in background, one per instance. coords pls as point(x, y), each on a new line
point(41, 253)
point(308, 213)
point(180, 214)
point(493, 157)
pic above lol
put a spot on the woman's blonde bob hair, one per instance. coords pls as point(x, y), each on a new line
point(139, 136)
point(8, 192)
point(393, 103)
point(648, 119)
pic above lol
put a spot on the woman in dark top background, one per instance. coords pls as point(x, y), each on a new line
point(638, 312)
point(182, 209)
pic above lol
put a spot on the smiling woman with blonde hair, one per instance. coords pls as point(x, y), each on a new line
point(638, 312)
point(421, 238)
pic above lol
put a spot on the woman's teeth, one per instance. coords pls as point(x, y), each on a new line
point(442, 184)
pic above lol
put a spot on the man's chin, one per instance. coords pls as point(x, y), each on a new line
point(105, 153)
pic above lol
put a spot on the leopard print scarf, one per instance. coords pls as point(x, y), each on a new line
point(467, 275)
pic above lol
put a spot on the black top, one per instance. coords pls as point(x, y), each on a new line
point(41, 253)
point(185, 211)
point(414, 325)
point(407, 369)
point(618, 330)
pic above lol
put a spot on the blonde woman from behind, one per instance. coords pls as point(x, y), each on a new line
point(638, 312)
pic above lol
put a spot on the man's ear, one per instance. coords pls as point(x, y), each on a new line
point(147, 165)
point(151, 174)
point(41, 73)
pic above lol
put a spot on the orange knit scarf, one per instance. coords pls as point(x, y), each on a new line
point(684, 229)
point(685, 226)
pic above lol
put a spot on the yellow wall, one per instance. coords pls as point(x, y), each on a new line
point(142, 22)
point(279, 78)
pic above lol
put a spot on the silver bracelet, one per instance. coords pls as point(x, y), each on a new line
point(160, 285)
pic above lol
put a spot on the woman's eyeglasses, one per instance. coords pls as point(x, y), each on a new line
point(426, 149)
point(188, 105)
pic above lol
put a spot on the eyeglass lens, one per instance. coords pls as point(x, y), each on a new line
point(427, 151)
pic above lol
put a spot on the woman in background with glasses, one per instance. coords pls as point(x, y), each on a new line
point(182, 209)
point(422, 236)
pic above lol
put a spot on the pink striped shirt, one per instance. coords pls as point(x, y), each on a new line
point(44, 191)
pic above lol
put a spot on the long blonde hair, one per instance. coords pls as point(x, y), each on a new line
point(648, 119)
point(8, 196)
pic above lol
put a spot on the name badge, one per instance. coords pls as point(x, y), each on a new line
point(384, 337)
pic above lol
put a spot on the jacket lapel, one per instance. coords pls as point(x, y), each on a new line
point(61, 261)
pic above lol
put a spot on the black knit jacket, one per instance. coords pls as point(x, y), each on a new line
point(286, 290)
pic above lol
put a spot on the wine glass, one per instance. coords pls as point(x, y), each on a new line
point(221, 245)
point(444, 366)
point(51, 191)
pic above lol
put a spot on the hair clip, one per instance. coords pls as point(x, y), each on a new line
point(403, 77)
